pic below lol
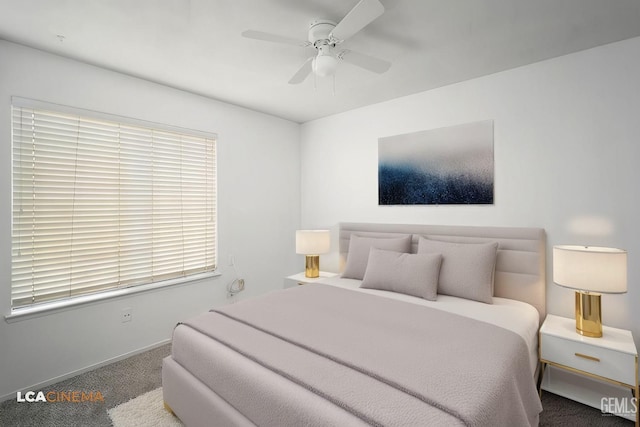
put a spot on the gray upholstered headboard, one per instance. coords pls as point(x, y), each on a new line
point(520, 266)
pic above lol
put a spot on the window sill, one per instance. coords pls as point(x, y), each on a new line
point(58, 306)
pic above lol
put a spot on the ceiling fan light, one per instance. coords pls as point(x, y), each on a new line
point(325, 65)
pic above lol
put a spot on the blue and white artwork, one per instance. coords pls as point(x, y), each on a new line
point(447, 166)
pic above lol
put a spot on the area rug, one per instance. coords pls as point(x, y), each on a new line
point(146, 410)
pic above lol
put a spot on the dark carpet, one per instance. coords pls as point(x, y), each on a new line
point(562, 412)
point(117, 382)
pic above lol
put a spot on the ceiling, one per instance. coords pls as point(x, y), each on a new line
point(195, 45)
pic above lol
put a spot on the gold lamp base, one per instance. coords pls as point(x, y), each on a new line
point(588, 314)
point(312, 266)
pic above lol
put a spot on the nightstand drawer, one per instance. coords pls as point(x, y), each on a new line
point(600, 361)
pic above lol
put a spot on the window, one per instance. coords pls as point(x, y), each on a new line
point(103, 203)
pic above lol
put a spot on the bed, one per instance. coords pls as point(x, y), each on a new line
point(367, 348)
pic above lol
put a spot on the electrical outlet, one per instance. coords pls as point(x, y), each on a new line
point(125, 315)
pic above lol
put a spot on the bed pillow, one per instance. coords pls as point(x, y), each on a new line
point(467, 268)
point(411, 274)
point(359, 248)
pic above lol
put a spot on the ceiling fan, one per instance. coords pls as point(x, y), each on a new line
point(325, 36)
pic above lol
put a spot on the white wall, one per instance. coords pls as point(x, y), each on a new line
point(567, 147)
point(258, 212)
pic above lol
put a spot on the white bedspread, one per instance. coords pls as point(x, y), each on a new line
point(516, 316)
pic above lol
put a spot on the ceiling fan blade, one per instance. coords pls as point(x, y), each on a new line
point(359, 17)
point(367, 62)
point(303, 72)
point(275, 38)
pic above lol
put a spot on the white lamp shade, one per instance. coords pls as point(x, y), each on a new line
point(312, 242)
point(590, 268)
point(325, 65)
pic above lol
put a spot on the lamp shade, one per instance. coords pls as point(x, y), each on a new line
point(325, 65)
point(590, 268)
point(312, 242)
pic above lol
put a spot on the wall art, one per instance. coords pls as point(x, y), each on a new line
point(446, 166)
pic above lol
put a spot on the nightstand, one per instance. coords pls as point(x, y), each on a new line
point(301, 279)
point(599, 372)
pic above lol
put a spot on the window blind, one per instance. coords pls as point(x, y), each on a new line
point(100, 205)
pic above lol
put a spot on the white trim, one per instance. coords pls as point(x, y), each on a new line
point(86, 369)
point(44, 309)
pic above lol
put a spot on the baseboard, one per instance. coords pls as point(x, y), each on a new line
point(86, 369)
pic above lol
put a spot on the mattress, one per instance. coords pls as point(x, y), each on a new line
point(262, 394)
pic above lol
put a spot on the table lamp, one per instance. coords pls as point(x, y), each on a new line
point(591, 271)
point(312, 243)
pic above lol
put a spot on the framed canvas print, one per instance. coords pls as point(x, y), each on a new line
point(446, 166)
